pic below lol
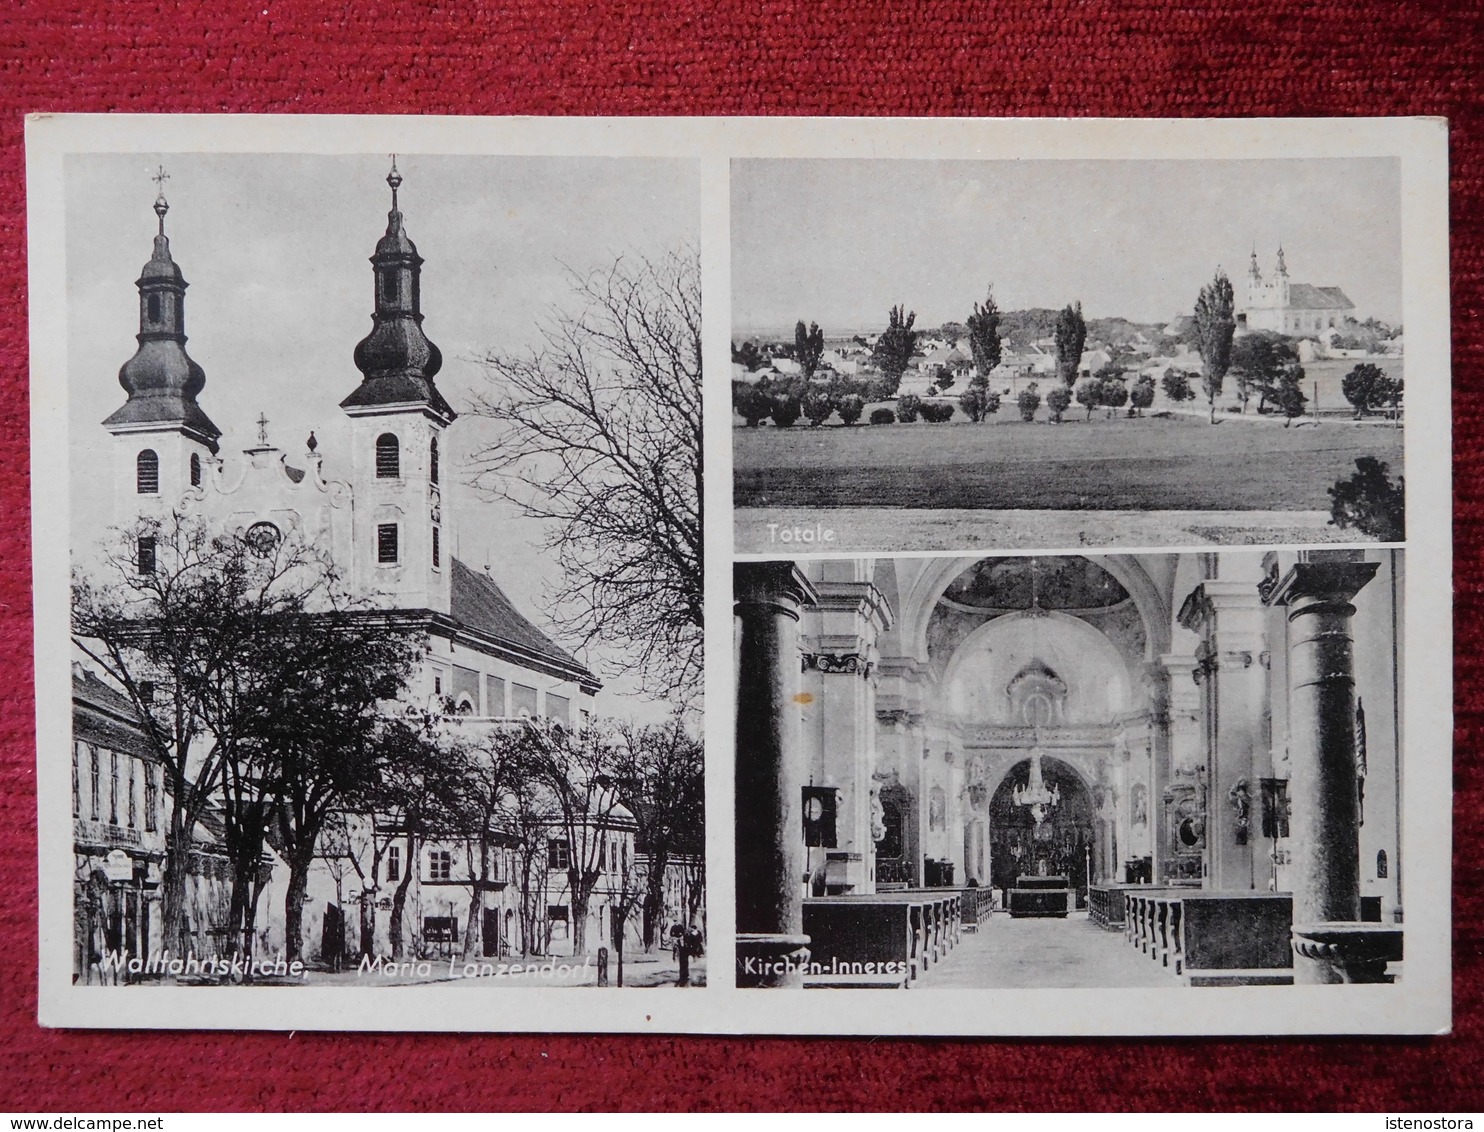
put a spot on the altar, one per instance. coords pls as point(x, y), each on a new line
point(1040, 896)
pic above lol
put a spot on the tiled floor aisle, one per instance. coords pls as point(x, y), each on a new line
point(1045, 953)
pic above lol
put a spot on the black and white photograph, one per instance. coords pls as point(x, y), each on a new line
point(385, 571)
point(949, 354)
point(1120, 770)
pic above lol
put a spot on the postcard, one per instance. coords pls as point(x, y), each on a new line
point(694, 575)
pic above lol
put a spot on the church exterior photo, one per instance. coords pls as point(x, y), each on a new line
point(381, 503)
point(1114, 770)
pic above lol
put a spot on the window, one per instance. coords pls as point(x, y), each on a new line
point(152, 305)
point(133, 802)
point(558, 854)
point(437, 685)
point(440, 864)
point(389, 286)
point(386, 543)
point(559, 709)
point(433, 460)
point(113, 788)
point(93, 780)
point(388, 457)
point(151, 799)
point(394, 863)
point(146, 554)
point(522, 701)
point(147, 472)
point(77, 749)
point(195, 469)
point(436, 562)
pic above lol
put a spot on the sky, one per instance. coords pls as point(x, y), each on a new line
point(841, 241)
point(275, 250)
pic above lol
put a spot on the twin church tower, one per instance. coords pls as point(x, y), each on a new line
point(388, 521)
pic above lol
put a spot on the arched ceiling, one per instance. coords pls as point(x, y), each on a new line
point(1067, 583)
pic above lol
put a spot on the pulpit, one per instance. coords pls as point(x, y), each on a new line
point(1040, 896)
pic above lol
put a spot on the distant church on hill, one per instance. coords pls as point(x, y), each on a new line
point(1290, 308)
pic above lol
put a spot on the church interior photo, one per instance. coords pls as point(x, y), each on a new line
point(1070, 770)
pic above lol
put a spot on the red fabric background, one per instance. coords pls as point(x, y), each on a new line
point(936, 57)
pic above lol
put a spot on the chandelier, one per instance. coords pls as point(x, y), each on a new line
point(1035, 793)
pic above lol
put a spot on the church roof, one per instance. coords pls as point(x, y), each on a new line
point(479, 604)
point(1305, 296)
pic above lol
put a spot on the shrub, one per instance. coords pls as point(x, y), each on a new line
point(908, 406)
point(883, 416)
point(979, 402)
point(1028, 402)
point(1368, 387)
point(786, 410)
point(936, 412)
point(818, 405)
point(1057, 400)
point(1142, 395)
point(752, 404)
point(1112, 393)
point(1288, 395)
point(1370, 502)
point(1176, 383)
point(849, 407)
point(1088, 395)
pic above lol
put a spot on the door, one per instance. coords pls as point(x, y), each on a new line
point(491, 932)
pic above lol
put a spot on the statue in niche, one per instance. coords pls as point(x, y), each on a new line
point(1140, 804)
point(878, 814)
point(1241, 802)
point(937, 809)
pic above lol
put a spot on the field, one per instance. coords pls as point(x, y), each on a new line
point(1150, 464)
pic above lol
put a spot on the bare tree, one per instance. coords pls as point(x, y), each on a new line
point(602, 438)
point(182, 620)
point(661, 772)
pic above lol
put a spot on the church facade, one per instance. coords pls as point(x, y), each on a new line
point(1067, 734)
point(381, 510)
point(1296, 309)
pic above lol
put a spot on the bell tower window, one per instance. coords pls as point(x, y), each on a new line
point(146, 554)
point(390, 286)
point(436, 554)
point(147, 472)
point(386, 543)
point(433, 461)
point(388, 457)
point(152, 305)
point(195, 469)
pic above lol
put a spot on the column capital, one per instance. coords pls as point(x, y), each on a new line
point(781, 586)
point(1327, 582)
point(860, 598)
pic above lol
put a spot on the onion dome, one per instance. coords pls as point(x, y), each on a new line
point(161, 379)
point(396, 360)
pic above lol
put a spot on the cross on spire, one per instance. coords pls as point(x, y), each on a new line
point(263, 429)
point(394, 179)
point(162, 206)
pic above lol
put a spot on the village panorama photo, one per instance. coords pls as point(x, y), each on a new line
point(938, 354)
point(385, 596)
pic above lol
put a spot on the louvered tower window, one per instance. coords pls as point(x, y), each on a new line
point(147, 472)
point(388, 457)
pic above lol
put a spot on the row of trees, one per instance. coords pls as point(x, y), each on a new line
point(1262, 364)
point(276, 702)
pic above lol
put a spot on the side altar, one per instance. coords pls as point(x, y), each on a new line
point(1040, 896)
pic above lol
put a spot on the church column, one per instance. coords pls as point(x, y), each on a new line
point(771, 946)
point(1323, 784)
point(851, 614)
point(1177, 759)
point(1229, 616)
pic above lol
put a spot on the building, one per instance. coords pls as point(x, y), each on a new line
point(380, 509)
point(1297, 309)
point(1219, 725)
